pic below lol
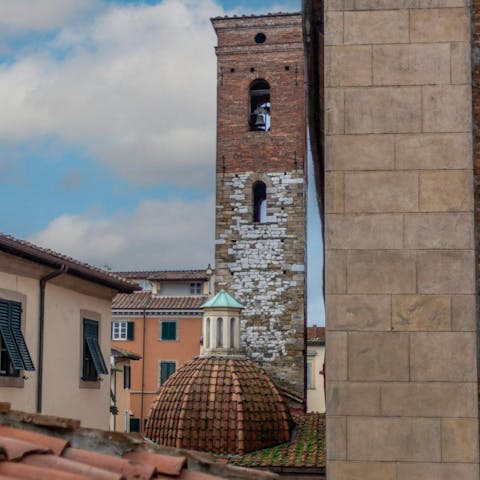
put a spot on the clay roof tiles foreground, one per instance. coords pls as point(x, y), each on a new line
point(39, 447)
point(223, 405)
point(146, 300)
point(45, 256)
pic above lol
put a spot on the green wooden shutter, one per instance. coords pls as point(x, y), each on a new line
point(169, 330)
point(16, 325)
point(166, 369)
point(90, 333)
point(7, 336)
point(130, 330)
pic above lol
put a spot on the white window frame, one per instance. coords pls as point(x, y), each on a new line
point(195, 288)
point(122, 332)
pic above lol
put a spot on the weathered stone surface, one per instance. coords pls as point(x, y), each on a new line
point(376, 27)
point(360, 152)
point(447, 108)
point(348, 398)
point(446, 271)
point(445, 356)
point(421, 312)
point(334, 192)
point(406, 399)
point(361, 471)
point(336, 355)
point(463, 313)
point(381, 272)
point(335, 271)
point(358, 312)
point(446, 191)
point(377, 231)
point(334, 28)
point(440, 25)
point(460, 439)
point(381, 192)
point(433, 151)
point(335, 111)
point(393, 439)
point(436, 471)
point(337, 437)
point(411, 64)
point(348, 65)
point(461, 64)
point(387, 109)
point(377, 356)
point(438, 230)
point(398, 4)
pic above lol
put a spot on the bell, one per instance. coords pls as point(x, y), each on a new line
point(259, 121)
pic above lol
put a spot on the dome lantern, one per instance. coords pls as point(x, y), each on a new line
point(221, 325)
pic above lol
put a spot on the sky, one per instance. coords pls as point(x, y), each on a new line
point(107, 130)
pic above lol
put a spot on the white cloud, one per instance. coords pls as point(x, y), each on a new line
point(41, 15)
point(158, 234)
point(134, 87)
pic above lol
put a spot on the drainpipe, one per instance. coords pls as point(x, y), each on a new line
point(41, 327)
point(142, 394)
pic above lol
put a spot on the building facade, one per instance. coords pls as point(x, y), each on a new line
point(55, 333)
point(163, 325)
point(402, 347)
point(315, 365)
point(260, 187)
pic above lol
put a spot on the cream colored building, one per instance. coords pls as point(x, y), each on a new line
point(55, 333)
point(315, 363)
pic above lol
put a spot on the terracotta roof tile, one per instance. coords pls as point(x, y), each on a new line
point(163, 463)
point(306, 451)
point(157, 302)
point(15, 449)
point(49, 257)
point(56, 445)
point(219, 405)
point(129, 470)
point(33, 459)
point(166, 275)
point(65, 465)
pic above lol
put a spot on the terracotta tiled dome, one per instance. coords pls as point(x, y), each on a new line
point(219, 405)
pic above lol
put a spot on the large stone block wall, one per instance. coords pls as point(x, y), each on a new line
point(263, 264)
point(401, 362)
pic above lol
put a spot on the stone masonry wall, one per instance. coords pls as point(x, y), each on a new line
point(402, 399)
point(262, 264)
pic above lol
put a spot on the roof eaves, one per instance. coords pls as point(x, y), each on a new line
point(29, 251)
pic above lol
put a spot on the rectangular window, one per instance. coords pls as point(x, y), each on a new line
point(310, 382)
point(167, 368)
point(14, 354)
point(126, 377)
point(93, 363)
point(168, 330)
point(195, 288)
point(123, 330)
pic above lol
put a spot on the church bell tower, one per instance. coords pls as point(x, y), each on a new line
point(260, 250)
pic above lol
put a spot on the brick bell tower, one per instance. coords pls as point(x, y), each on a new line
point(261, 186)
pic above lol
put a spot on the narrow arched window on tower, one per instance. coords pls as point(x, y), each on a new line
point(259, 202)
point(207, 333)
point(219, 332)
point(232, 333)
point(259, 106)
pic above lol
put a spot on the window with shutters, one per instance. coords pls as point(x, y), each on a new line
point(168, 330)
point(93, 363)
point(123, 330)
point(166, 368)
point(14, 354)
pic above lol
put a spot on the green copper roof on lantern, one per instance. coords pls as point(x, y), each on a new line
point(222, 300)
